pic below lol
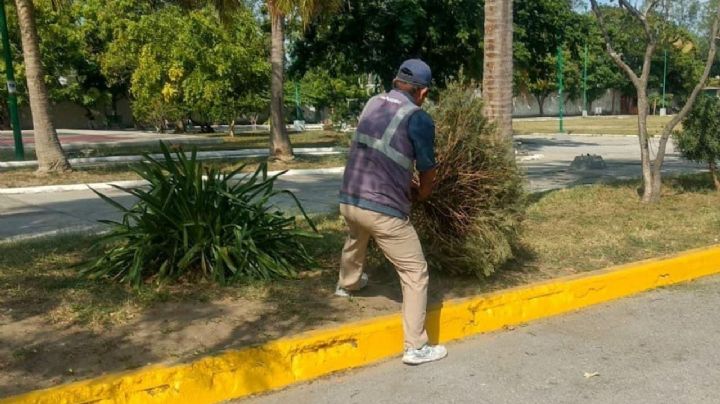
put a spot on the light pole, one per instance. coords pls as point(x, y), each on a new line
point(585, 102)
point(11, 86)
point(297, 102)
point(561, 97)
point(663, 110)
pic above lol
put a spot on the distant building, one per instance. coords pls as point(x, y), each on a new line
point(712, 91)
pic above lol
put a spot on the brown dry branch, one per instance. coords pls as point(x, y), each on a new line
point(471, 223)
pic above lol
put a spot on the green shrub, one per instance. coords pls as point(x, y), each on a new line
point(198, 222)
point(471, 223)
point(699, 140)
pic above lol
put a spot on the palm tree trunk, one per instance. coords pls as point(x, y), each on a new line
point(50, 155)
point(498, 64)
point(714, 173)
point(280, 147)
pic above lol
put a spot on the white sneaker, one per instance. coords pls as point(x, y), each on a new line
point(342, 292)
point(428, 353)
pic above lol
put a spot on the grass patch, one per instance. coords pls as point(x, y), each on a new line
point(623, 125)
point(237, 142)
point(302, 139)
point(566, 231)
point(25, 177)
point(593, 227)
point(240, 141)
point(9, 154)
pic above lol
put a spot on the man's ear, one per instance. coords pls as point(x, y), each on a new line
point(424, 92)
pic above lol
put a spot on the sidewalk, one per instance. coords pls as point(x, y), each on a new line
point(656, 348)
point(39, 214)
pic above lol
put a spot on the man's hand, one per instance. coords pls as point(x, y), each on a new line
point(425, 188)
point(414, 191)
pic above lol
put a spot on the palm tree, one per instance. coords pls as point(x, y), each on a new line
point(306, 10)
point(50, 155)
point(498, 62)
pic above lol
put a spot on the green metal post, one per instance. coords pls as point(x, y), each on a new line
point(585, 102)
point(561, 97)
point(664, 79)
point(297, 102)
point(12, 87)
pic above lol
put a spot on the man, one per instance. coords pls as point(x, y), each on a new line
point(393, 133)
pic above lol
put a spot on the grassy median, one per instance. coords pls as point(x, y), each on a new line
point(46, 306)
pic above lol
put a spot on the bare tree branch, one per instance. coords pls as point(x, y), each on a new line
point(650, 6)
point(616, 57)
point(642, 17)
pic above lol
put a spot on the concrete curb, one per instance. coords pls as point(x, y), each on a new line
point(202, 155)
point(68, 231)
point(280, 363)
point(139, 183)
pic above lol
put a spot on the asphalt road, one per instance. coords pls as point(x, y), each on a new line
point(658, 347)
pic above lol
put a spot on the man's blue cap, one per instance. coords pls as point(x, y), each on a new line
point(415, 71)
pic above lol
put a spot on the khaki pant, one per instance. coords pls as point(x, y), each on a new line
point(400, 244)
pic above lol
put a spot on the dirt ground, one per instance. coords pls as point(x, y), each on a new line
point(56, 327)
point(37, 352)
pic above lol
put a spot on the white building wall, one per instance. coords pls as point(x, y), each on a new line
point(526, 105)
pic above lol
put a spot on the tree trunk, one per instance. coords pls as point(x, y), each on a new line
point(180, 126)
point(541, 103)
point(280, 147)
point(50, 155)
point(714, 173)
point(231, 128)
point(649, 191)
point(498, 64)
point(612, 107)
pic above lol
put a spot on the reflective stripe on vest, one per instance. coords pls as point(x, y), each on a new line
point(383, 145)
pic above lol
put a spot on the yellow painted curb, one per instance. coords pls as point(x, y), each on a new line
point(280, 363)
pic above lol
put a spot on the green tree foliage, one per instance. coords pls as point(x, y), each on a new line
point(185, 64)
point(700, 138)
point(685, 57)
point(343, 95)
point(71, 65)
point(196, 222)
point(377, 35)
point(541, 27)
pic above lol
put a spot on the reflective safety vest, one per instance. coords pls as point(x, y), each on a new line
point(380, 164)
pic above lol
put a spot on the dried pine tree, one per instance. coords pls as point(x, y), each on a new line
point(470, 224)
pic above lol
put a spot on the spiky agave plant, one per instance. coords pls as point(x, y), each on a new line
point(471, 222)
point(195, 221)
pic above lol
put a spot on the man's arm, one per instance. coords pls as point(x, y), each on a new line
point(422, 136)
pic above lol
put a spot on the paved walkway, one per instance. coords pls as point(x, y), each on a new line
point(656, 348)
point(40, 214)
point(46, 213)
